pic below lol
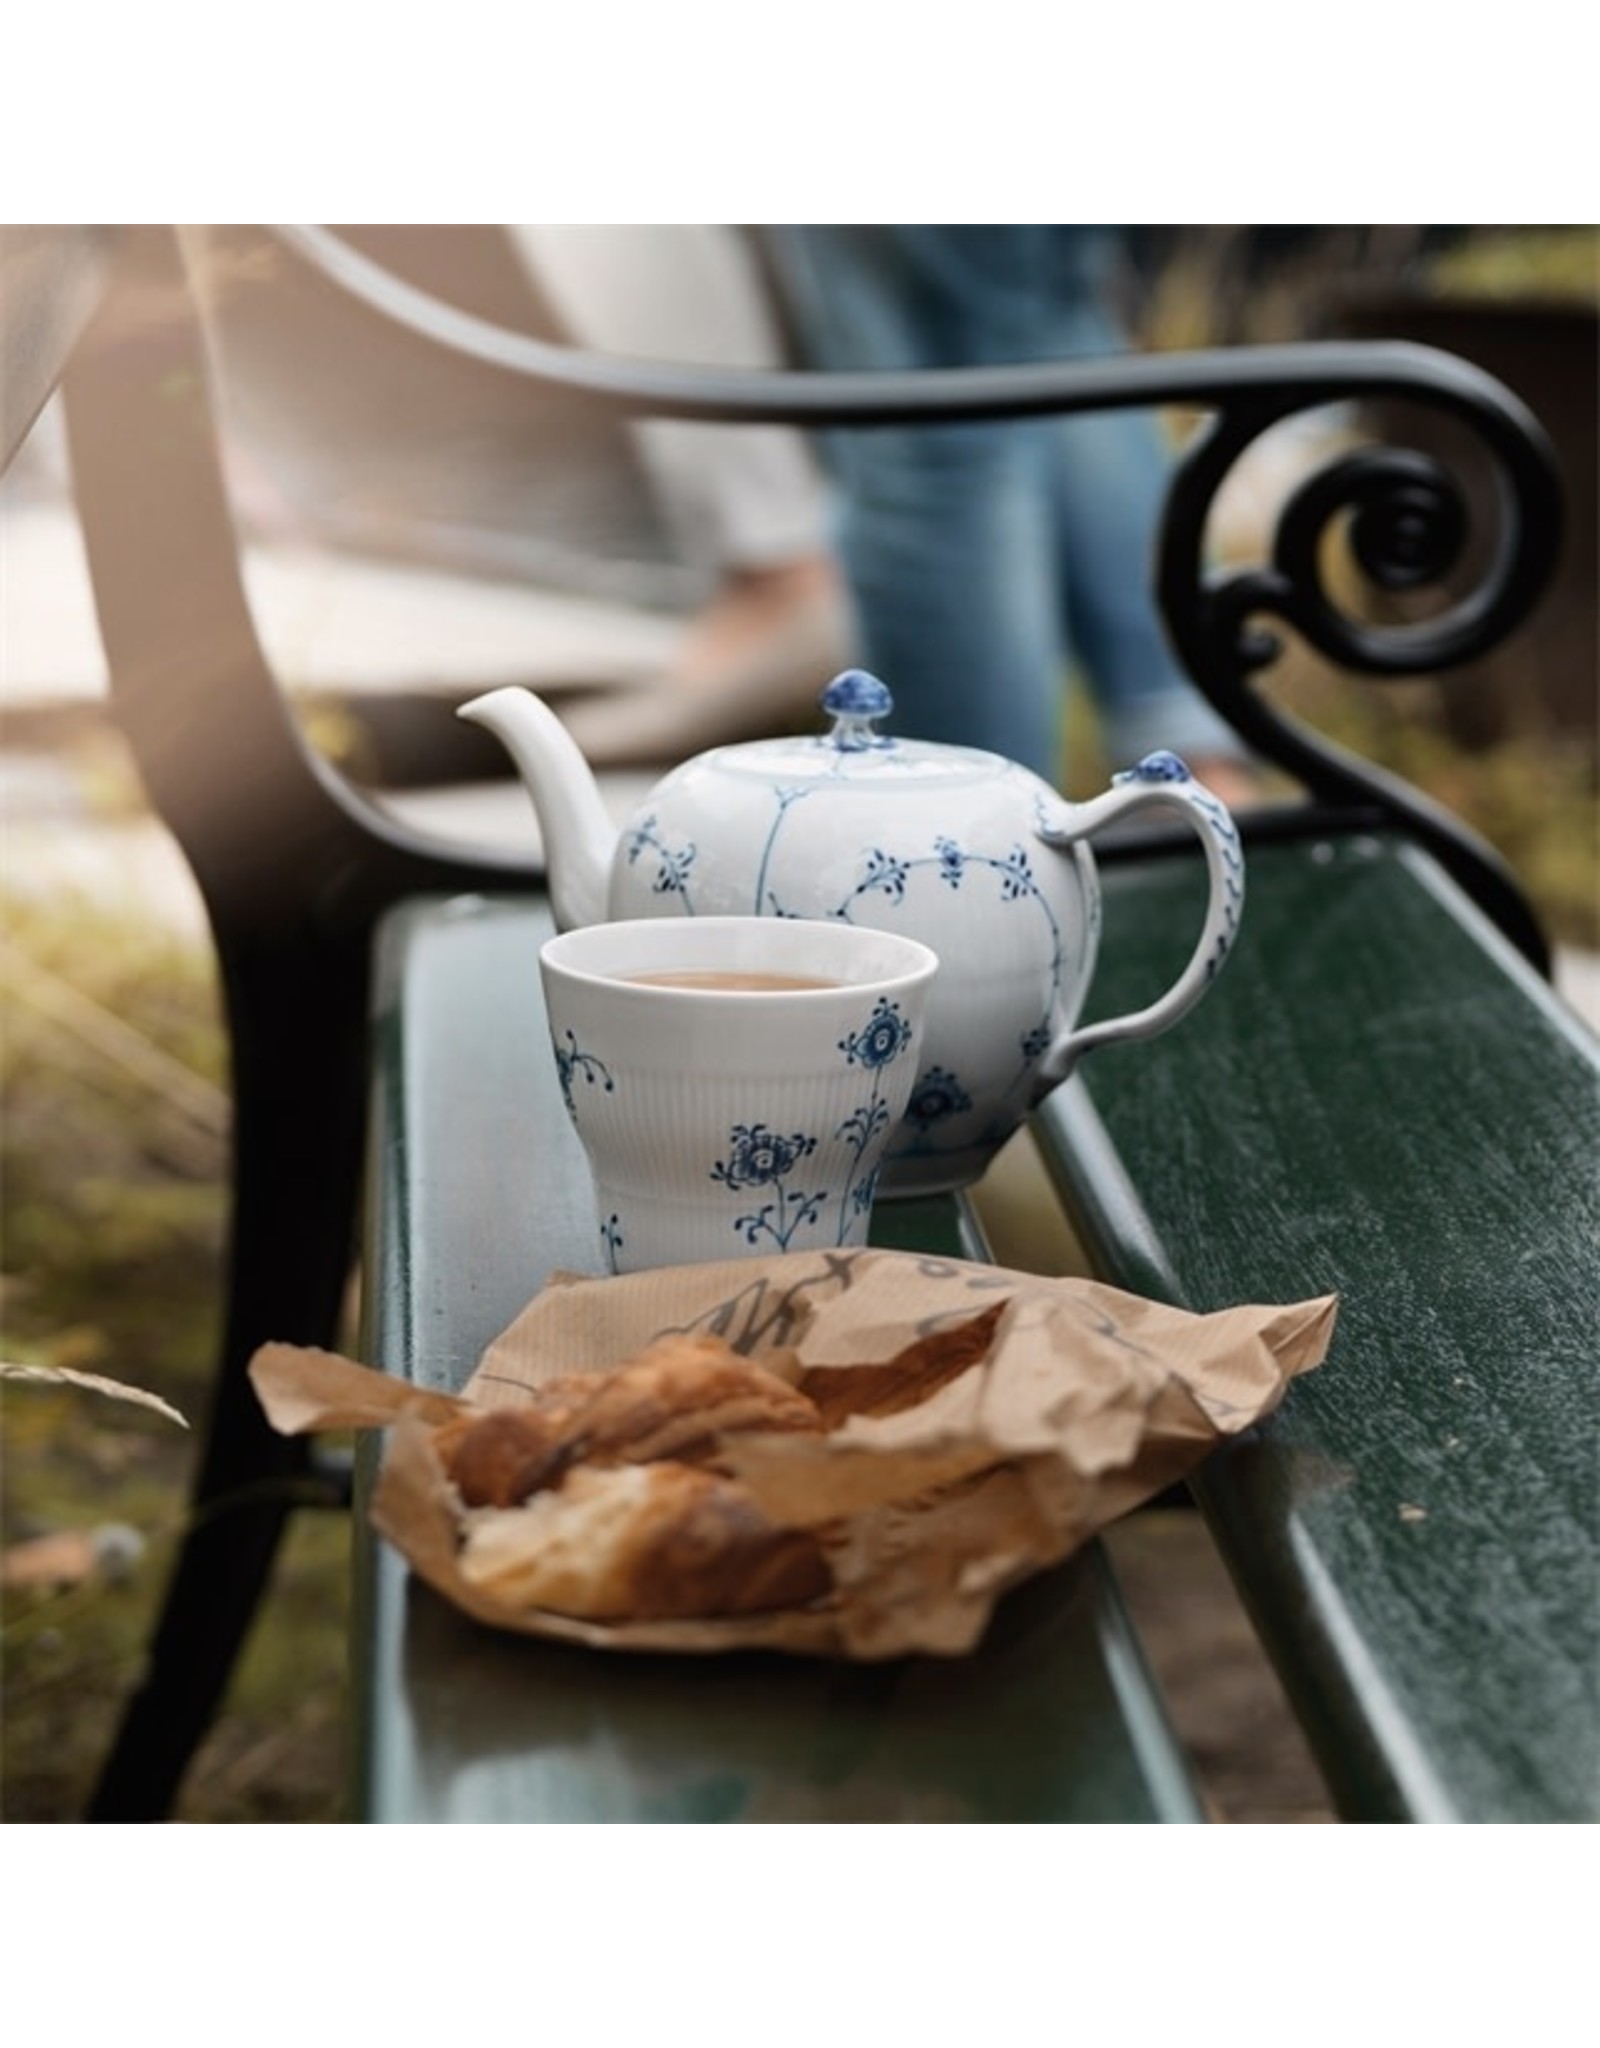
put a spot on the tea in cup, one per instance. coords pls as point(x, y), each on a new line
point(733, 1080)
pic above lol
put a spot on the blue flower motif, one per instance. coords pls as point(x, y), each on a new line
point(758, 1156)
point(938, 1094)
point(862, 1125)
point(674, 865)
point(779, 1220)
point(952, 861)
point(1016, 876)
point(672, 878)
point(881, 1040)
point(884, 873)
point(573, 1061)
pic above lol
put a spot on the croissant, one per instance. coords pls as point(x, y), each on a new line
point(499, 1458)
point(675, 1400)
point(642, 1543)
point(592, 1497)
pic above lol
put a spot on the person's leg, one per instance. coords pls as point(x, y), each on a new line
point(942, 530)
point(951, 575)
point(1108, 478)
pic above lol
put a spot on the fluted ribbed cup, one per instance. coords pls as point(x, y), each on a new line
point(722, 1121)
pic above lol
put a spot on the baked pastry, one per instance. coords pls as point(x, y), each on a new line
point(592, 1498)
point(675, 1400)
point(497, 1459)
point(653, 1542)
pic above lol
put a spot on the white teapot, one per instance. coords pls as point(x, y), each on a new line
point(972, 854)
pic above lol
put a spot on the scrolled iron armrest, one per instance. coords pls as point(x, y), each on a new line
point(1409, 526)
point(1408, 516)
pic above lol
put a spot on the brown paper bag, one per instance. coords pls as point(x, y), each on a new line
point(1051, 1407)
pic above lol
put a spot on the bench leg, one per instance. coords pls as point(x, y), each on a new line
point(297, 1029)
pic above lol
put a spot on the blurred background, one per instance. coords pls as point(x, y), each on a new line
point(406, 550)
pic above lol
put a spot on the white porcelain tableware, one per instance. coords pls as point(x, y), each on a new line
point(733, 1080)
point(970, 853)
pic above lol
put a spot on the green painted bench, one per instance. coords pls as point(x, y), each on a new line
point(1380, 1099)
point(1381, 1096)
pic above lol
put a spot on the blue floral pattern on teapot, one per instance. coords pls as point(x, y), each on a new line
point(973, 855)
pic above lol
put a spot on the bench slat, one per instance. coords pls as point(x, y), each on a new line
point(478, 1193)
point(1379, 1098)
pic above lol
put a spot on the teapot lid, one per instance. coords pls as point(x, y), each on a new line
point(853, 746)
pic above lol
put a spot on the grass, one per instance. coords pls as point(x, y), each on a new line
point(112, 1200)
point(1530, 796)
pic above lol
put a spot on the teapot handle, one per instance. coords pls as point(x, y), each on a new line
point(1159, 782)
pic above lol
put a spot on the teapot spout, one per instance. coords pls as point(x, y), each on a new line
point(577, 829)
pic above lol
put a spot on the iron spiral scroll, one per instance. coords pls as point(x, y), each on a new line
point(1407, 521)
point(1407, 514)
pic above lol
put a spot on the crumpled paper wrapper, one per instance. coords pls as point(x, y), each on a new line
point(1087, 1402)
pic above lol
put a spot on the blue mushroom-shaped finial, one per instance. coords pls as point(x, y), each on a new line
point(855, 701)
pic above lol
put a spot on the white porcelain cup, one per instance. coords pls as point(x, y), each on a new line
point(743, 1110)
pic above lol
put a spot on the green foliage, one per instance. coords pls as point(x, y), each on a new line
point(1560, 263)
point(112, 1199)
point(1530, 795)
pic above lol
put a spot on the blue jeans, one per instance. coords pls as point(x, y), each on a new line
point(983, 560)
